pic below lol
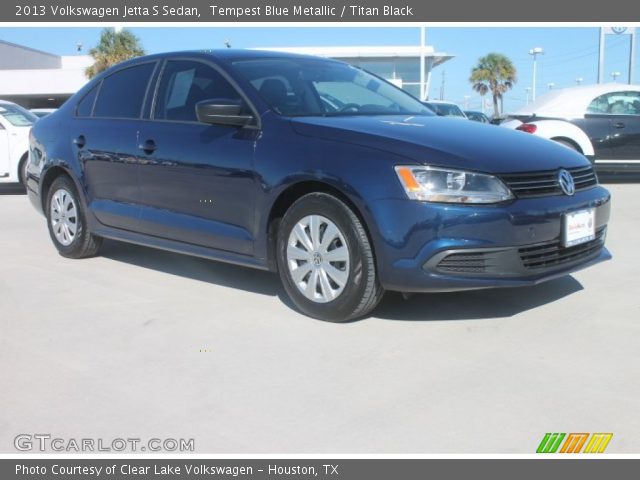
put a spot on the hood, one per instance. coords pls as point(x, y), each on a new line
point(448, 142)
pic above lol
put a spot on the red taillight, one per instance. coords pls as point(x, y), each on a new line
point(527, 127)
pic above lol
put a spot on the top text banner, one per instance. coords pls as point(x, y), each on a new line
point(240, 11)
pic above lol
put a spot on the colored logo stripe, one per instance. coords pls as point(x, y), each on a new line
point(574, 443)
point(550, 443)
point(598, 442)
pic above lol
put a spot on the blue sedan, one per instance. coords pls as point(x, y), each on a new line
point(334, 178)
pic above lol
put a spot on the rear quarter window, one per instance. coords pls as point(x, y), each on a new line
point(122, 93)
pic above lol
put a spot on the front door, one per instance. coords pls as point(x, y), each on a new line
point(196, 180)
point(4, 152)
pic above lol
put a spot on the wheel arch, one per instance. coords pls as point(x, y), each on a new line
point(290, 195)
point(47, 179)
point(567, 131)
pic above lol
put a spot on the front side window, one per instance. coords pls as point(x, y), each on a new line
point(616, 103)
point(307, 87)
point(122, 93)
point(184, 83)
point(17, 116)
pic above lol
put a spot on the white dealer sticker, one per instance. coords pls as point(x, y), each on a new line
point(579, 227)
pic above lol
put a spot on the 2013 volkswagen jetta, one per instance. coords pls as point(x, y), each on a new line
point(342, 183)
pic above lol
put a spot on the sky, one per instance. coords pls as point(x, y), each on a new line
point(570, 52)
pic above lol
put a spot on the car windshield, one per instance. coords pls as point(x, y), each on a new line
point(316, 87)
point(16, 115)
point(447, 109)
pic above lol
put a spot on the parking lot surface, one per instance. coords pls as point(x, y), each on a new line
point(142, 343)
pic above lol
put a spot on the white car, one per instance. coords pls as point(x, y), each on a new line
point(445, 109)
point(15, 123)
point(600, 121)
point(42, 112)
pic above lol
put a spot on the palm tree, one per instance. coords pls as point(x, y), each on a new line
point(494, 73)
point(114, 47)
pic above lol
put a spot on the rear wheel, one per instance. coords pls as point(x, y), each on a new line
point(326, 261)
point(66, 221)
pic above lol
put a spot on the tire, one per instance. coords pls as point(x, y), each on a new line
point(566, 144)
point(330, 275)
point(67, 223)
point(22, 170)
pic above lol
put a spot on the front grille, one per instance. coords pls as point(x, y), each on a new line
point(545, 183)
point(463, 263)
point(553, 253)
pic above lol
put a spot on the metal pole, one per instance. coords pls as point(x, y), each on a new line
point(632, 57)
point(533, 85)
point(601, 57)
point(422, 63)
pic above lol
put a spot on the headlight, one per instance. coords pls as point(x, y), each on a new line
point(451, 186)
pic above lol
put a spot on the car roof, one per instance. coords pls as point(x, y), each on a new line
point(571, 102)
point(223, 54)
point(441, 102)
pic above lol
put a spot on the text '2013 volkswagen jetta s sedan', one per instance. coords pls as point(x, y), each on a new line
point(342, 183)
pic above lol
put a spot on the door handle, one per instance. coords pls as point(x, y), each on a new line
point(80, 141)
point(148, 147)
point(618, 125)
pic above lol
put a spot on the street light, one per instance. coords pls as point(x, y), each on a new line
point(615, 76)
point(534, 52)
point(579, 80)
point(466, 101)
point(527, 91)
point(551, 85)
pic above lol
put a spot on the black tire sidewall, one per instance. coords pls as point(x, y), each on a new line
point(72, 249)
point(342, 308)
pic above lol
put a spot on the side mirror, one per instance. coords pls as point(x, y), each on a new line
point(222, 111)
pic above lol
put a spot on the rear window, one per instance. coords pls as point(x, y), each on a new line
point(122, 93)
point(16, 115)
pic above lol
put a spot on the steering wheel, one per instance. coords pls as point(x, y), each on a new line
point(349, 106)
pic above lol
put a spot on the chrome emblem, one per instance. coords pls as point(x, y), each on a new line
point(565, 179)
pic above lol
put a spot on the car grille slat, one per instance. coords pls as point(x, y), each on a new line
point(543, 183)
point(553, 253)
point(463, 262)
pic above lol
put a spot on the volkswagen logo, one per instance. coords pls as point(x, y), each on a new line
point(565, 179)
point(618, 30)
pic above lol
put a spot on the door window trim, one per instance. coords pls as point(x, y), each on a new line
point(257, 124)
point(144, 99)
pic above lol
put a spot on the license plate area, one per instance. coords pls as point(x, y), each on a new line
point(578, 227)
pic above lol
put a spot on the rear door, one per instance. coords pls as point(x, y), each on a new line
point(104, 134)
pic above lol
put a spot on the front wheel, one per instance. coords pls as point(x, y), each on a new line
point(325, 260)
point(66, 221)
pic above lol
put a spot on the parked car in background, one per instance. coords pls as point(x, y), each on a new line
point(15, 123)
point(42, 112)
point(341, 182)
point(445, 109)
point(477, 116)
point(600, 121)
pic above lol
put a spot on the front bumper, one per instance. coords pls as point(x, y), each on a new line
point(424, 247)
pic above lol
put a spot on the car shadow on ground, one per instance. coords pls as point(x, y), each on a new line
point(475, 304)
point(470, 305)
point(12, 189)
